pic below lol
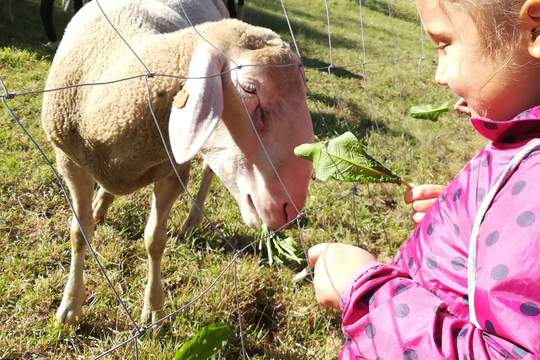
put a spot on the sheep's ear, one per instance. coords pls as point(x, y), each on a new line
point(198, 106)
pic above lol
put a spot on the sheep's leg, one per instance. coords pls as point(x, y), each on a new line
point(196, 212)
point(241, 9)
point(232, 9)
point(100, 205)
point(166, 191)
point(77, 5)
point(46, 12)
point(81, 187)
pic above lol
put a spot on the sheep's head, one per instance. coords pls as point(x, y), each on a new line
point(246, 123)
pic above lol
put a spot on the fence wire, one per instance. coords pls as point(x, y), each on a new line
point(139, 330)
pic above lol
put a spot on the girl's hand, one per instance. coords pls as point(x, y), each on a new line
point(421, 198)
point(334, 266)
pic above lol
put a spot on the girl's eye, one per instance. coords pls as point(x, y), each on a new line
point(250, 88)
point(442, 46)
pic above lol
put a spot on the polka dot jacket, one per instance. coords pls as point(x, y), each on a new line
point(419, 306)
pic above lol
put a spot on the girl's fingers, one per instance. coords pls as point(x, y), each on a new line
point(408, 193)
point(463, 110)
point(315, 252)
point(423, 192)
point(461, 106)
point(423, 205)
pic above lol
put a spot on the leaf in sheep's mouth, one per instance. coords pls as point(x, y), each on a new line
point(278, 249)
point(345, 159)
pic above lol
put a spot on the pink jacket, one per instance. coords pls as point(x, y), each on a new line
point(466, 283)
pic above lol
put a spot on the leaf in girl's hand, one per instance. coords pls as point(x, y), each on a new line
point(205, 343)
point(345, 159)
point(428, 112)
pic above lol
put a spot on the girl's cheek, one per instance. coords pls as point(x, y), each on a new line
point(455, 77)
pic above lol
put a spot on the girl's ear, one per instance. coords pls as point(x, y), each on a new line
point(530, 17)
point(198, 106)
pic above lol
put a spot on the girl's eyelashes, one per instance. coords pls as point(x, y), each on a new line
point(441, 48)
point(440, 39)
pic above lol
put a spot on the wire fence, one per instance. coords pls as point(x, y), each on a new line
point(138, 329)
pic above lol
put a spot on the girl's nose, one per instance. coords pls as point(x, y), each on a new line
point(440, 78)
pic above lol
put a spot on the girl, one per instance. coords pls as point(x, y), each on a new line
point(466, 284)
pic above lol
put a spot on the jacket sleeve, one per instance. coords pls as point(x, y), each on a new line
point(387, 315)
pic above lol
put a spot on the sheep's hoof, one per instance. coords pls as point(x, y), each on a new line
point(98, 213)
point(98, 218)
point(193, 220)
point(69, 314)
point(52, 45)
point(100, 205)
point(70, 310)
point(149, 317)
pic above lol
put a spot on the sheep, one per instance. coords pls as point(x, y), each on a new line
point(46, 13)
point(106, 135)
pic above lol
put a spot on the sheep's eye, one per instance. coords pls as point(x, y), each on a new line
point(250, 88)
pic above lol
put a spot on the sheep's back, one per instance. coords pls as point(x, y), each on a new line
point(107, 128)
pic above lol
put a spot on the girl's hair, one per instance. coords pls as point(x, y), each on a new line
point(497, 21)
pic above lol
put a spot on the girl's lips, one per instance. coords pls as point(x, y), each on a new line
point(462, 107)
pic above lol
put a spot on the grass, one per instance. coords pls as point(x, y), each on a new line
point(281, 320)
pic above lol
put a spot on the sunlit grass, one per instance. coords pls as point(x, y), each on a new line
point(280, 320)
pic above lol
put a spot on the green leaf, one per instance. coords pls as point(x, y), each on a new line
point(428, 112)
point(277, 248)
point(287, 248)
point(345, 159)
point(205, 343)
point(269, 251)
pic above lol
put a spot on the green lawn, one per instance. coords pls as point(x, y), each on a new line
point(281, 320)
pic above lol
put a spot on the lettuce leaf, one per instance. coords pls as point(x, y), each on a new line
point(345, 159)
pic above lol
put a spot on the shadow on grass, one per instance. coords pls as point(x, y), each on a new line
point(278, 24)
point(99, 328)
point(327, 125)
point(335, 70)
point(27, 31)
point(229, 238)
point(270, 15)
point(399, 12)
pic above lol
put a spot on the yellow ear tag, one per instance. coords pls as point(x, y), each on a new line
point(181, 99)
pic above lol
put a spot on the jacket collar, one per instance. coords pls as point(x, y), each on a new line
point(524, 126)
